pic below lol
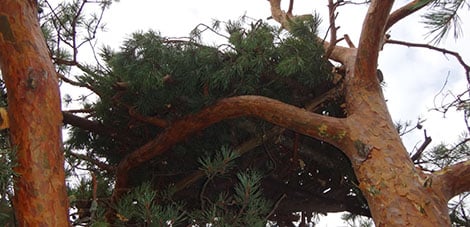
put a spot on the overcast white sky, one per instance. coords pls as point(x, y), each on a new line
point(413, 76)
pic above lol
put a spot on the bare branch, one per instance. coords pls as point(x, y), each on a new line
point(97, 163)
point(276, 205)
point(348, 41)
point(76, 83)
point(73, 111)
point(444, 51)
point(427, 141)
point(333, 29)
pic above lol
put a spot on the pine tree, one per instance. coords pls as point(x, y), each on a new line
point(178, 132)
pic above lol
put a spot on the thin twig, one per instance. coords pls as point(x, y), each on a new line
point(332, 17)
point(76, 83)
point(276, 205)
point(99, 164)
point(444, 51)
point(72, 111)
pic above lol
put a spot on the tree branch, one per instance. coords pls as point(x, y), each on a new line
point(371, 39)
point(427, 140)
point(95, 127)
point(75, 83)
point(444, 51)
point(259, 139)
point(405, 11)
point(329, 129)
point(454, 179)
point(333, 29)
point(158, 122)
point(99, 164)
point(291, 7)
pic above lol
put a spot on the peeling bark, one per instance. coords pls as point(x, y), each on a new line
point(35, 118)
point(397, 193)
point(454, 179)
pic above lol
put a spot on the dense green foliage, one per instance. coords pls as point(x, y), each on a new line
point(248, 172)
point(152, 76)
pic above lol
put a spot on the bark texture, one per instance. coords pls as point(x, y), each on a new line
point(300, 120)
point(35, 117)
point(397, 193)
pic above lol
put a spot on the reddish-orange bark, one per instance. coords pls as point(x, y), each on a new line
point(35, 117)
point(398, 194)
point(454, 179)
point(331, 130)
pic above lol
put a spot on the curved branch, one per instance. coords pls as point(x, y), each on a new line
point(329, 129)
point(258, 140)
point(371, 39)
point(454, 179)
point(405, 11)
point(444, 51)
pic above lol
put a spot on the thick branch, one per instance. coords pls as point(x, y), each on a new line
point(405, 11)
point(329, 129)
point(371, 38)
point(454, 179)
point(258, 140)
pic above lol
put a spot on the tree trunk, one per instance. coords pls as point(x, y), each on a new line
point(35, 117)
point(398, 194)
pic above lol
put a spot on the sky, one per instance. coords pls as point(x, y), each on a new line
point(413, 76)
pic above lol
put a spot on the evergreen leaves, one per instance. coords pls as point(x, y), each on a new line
point(220, 164)
point(176, 77)
point(158, 77)
point(140, 208)
point(443, 18)
point(246, 206)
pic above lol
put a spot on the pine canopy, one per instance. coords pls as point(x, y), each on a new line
point(153, 79)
